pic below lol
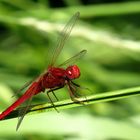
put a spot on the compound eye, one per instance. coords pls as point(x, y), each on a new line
point(70, 73)
point(73, 72)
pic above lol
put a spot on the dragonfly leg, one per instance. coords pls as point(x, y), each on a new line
point(73, 96)
point(55, 95)
point(51, 100)
point(52, 90)
point(77, 85)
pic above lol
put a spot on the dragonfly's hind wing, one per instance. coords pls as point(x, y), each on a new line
point(64, 35)
point(27, 84)
point(22, 88)
point(74, 58)
point(29, 97)
point(22, 113)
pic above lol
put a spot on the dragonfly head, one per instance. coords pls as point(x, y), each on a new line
point(72, 72)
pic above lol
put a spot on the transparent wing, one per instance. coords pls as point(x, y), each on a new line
point(64, 35)
point(23, 112)
point(74, 58)
point(23, 87)
point(27, 84)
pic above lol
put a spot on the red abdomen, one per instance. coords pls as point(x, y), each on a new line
point(35, 88)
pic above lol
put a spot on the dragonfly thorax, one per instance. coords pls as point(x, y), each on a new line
point(72, 72)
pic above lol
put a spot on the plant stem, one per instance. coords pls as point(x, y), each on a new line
point(95, 98)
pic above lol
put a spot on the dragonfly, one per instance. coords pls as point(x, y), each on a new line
point(54, 77)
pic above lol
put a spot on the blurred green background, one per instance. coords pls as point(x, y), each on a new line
point(108, 30)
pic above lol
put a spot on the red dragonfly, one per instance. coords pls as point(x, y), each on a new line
point(54, 78)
